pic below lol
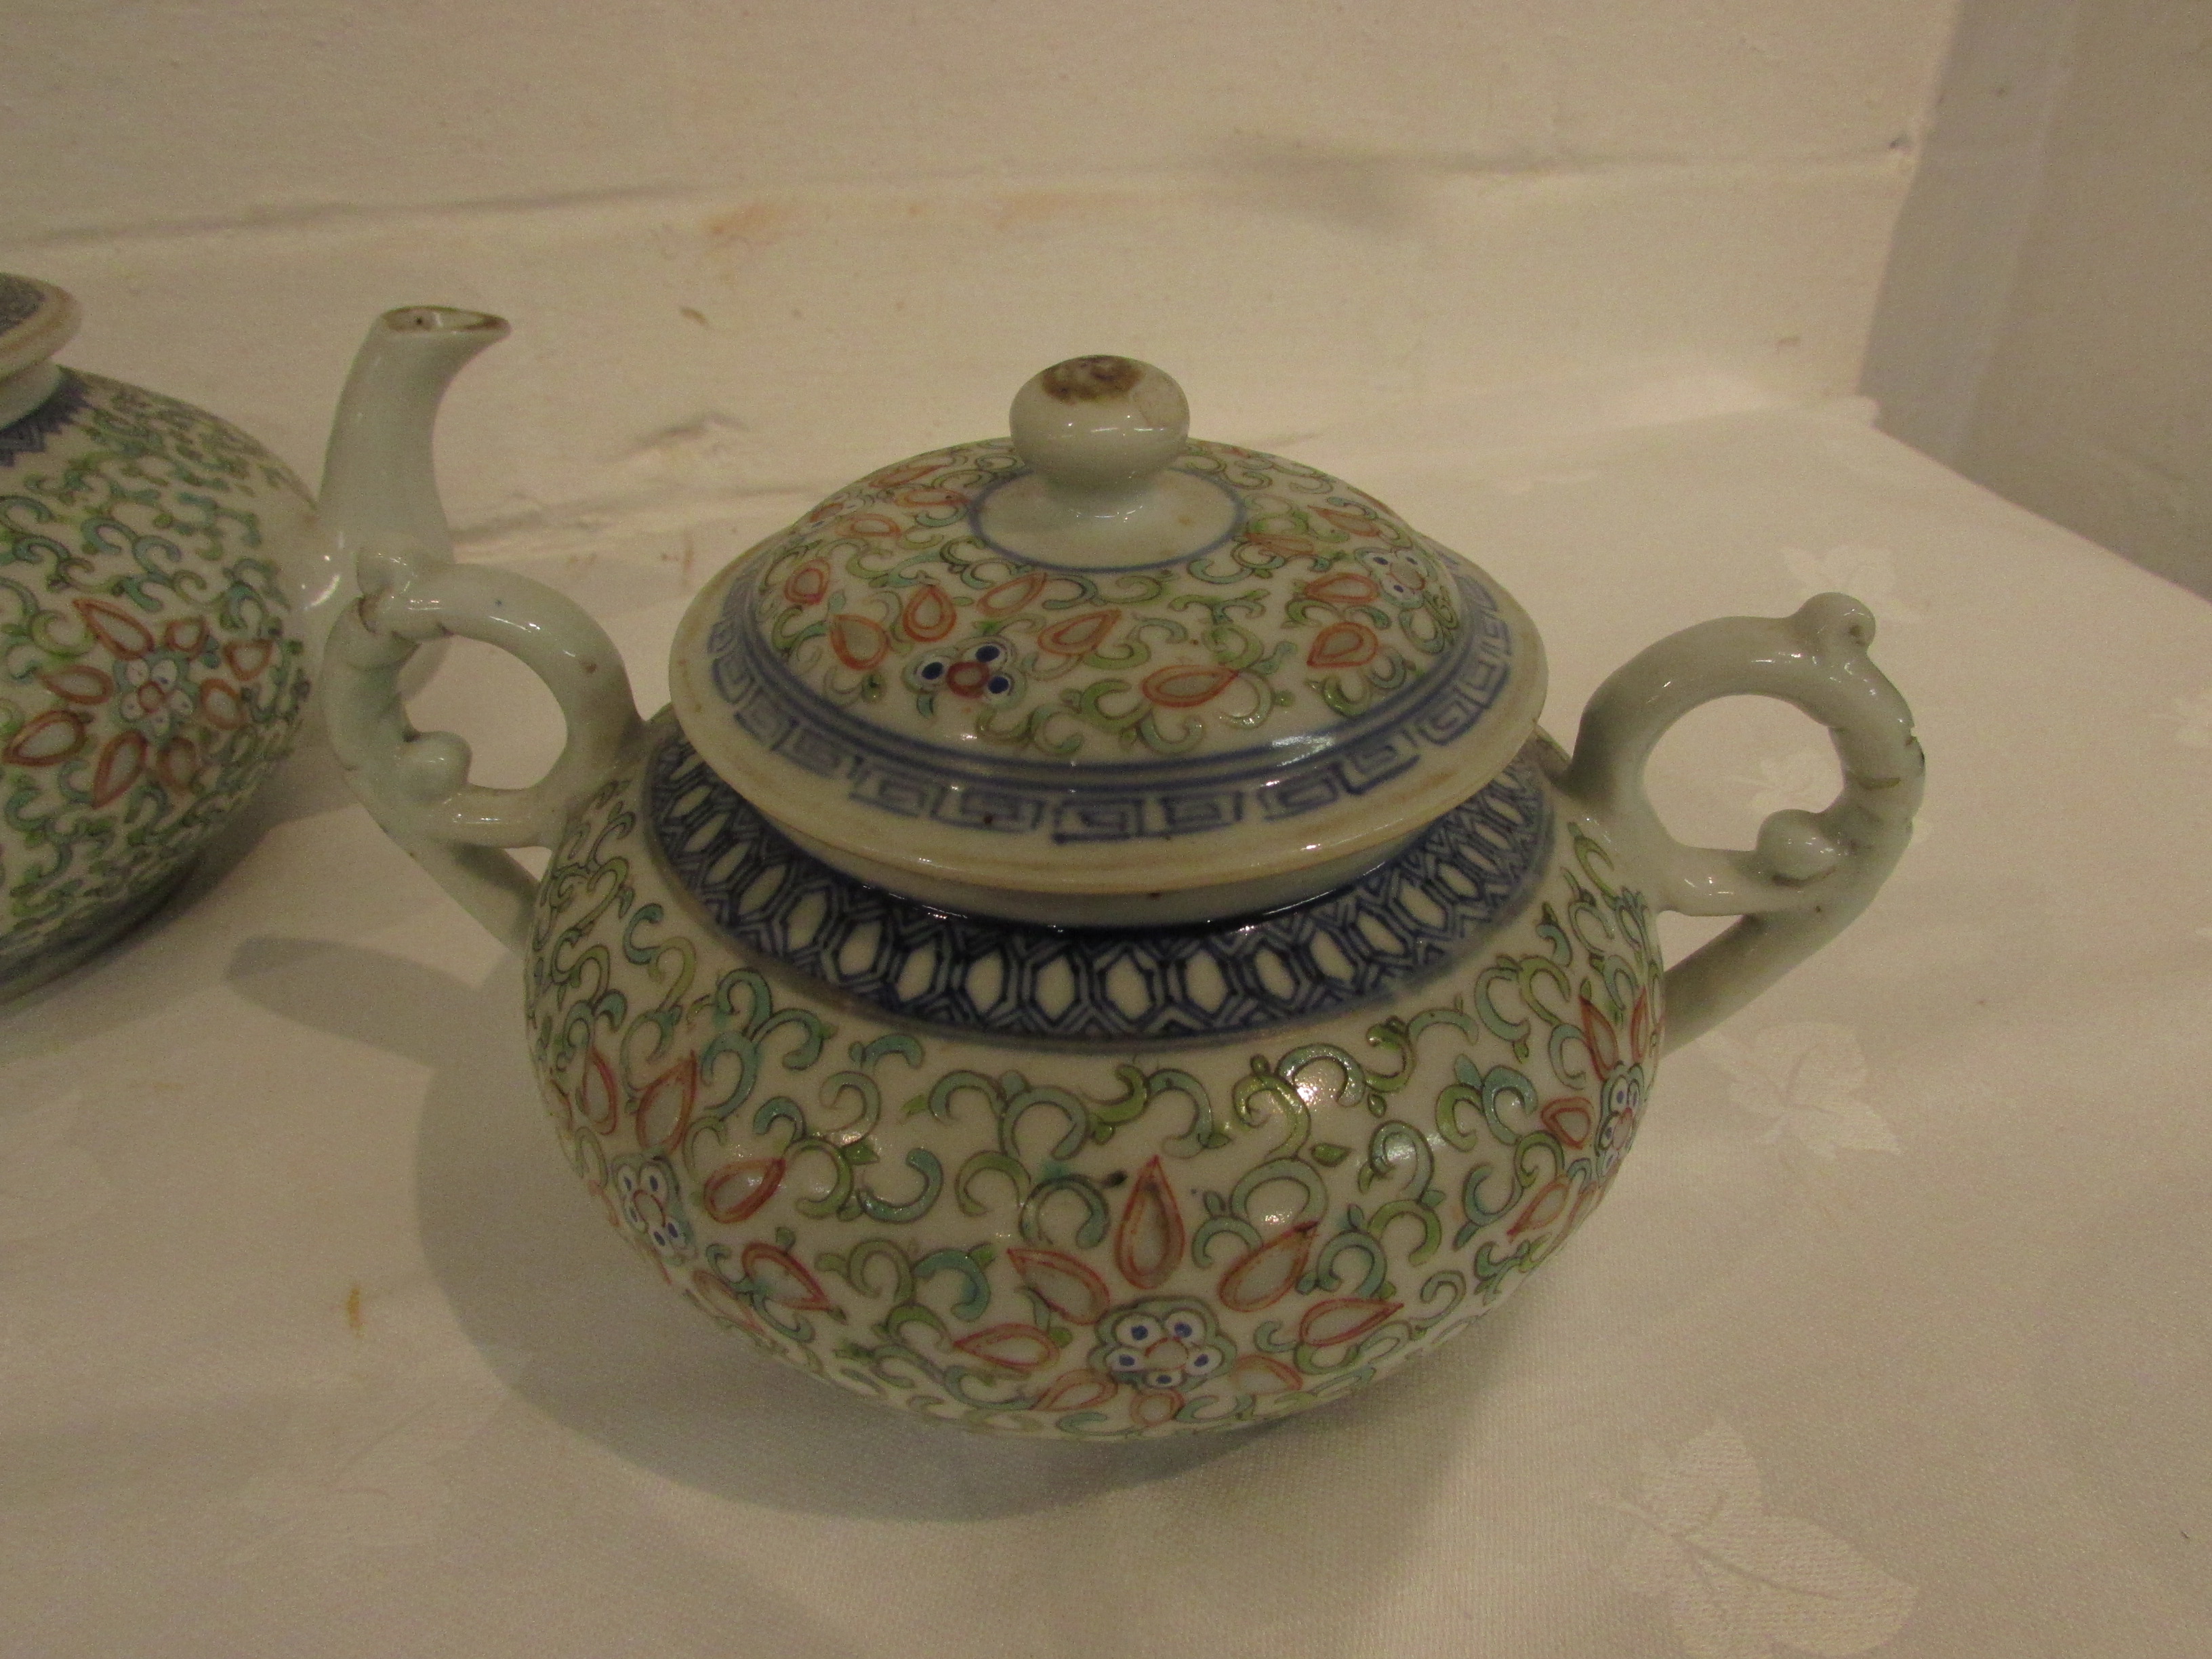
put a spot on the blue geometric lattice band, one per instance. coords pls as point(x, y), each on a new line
point(1473, 869)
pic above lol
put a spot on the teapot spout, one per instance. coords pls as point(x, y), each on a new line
point(402, 590)
point(380, 483)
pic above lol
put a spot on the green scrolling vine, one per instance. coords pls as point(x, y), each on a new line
point(886, 593)
point(1094, 1245)
point(148, 683)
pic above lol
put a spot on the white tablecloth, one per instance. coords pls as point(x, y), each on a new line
point(1895, 1336)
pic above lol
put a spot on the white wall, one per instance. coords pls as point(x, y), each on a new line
point(2047, 325)
point(760, 247)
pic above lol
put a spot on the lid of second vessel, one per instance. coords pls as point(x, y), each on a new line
point(1102, 656)
point(36, 321)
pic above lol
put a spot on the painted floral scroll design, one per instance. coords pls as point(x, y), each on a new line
point(1090, 1243)
point(146, 682)
point(1323, 605)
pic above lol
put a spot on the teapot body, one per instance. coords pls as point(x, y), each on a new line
point(1074, 1054)
point(1194, 1213)
point(154, 675)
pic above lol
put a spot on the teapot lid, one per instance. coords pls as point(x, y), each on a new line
point(36, 321)
point(1100, 661)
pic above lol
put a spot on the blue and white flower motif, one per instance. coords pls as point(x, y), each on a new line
point(984, 672)
point(1620, 1106)
point(159, 695)
point(1162, 1345)
point(1399, 574)
point(649, 1202)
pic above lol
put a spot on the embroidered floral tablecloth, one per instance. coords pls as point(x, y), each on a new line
point(1894, 1337)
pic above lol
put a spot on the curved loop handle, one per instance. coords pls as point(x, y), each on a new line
point(416, 784)
point(1811, 872)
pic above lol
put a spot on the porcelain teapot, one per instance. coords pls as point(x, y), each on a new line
point(166, 587)
point(155, 593)
point(1098, 944)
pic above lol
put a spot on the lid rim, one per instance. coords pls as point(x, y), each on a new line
point(1492, 741)
point(749, 654)
point(1054, 746)
point(37, 319)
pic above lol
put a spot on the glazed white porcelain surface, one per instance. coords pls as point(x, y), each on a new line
point(151, 672)
point(1088, 1180)
point(1146, 694)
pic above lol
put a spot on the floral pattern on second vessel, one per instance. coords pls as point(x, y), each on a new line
point(147, 684)
point(892, 1209)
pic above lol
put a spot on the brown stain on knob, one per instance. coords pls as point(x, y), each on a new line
point(1087, 379)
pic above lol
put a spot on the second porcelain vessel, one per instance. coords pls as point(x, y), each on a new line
point(1099, 946)
point(152, 667)
point(166, 584)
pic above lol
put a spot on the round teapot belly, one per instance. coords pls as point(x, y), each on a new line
point(1190, 1224)
point(152, 682)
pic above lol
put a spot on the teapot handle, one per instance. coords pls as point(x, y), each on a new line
point(416, 784)
point(1811, 872)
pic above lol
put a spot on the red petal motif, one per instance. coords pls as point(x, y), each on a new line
point(1340, 587)
point(1541, 1209)
point(807, 584)
point(1343, 645)
point(1017, 1347)
point(247, 657)
point(78, 684)
point(119, 630)
point(122, 760)
point(1186, 686)
point(859, 642)
point(1570, 1118)
point(664, 1105)
point(1641, 1034)
point(1009, 597)
point(932, 499)
point(1068, 1287)
point(186, 635)
point(905, 472)
point(1075, 636)
point(1604, 1041)
point(221, 706)
point(1343, 1319)
point(1148, 1243)
point(1264, 1276)
point(178, 764)
point(928, 614)
point(738, 1189)
point(598, 1098)
point(1076, 1391)
point(1149, 1410)
point(47, 739)
point(1260, 1373)
point(782, 1280)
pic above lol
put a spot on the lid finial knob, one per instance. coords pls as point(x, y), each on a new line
point(1101, 435)
point(1099, 426)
